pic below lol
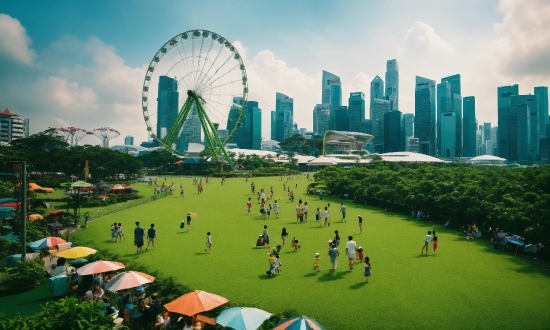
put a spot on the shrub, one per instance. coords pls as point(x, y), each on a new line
point(25, 276)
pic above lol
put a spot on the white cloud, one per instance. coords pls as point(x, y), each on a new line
point(14, 42)
point(523, 46)
point(66, 95)
point(421, 37)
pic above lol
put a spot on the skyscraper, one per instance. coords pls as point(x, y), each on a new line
point(376, 92)
point(486, 131)
point(392, 83)
point(380, 107)
point(341, 119)
point(129, 140)
point(504, 93)
point(284, 111)
point(469, 127)
point(448, 135)
point(167, 105)
point(393, 131)
point(443, 106)
point(541, 93)
point(456, 107)
point(408, 128)
point(273, 124)
point(424, 115)
point(321, 119)
point(249, 132)
point(332, 94)
point(356, 106)
point(191, 130)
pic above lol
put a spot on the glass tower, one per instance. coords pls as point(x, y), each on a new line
point(284, 111)
point(448, 135)
point(541, 93)
point(443, 106)
point(393, 131)
point(392, 83)
point(273, 124)
point(408, 128)
point(469, 127)
point(331, 94)
point(376, 92)
point(424, 115)
point(504, 93)
point(167, 105)
point(356, 106)
point(380, 108)
point(321, 119)
point(341, 118)
point(456, 107)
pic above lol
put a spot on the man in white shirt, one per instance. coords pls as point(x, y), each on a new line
point(305, 208)
point(276, 208)
point(351, 247)
point(262, 196)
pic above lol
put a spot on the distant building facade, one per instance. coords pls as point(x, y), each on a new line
point(12, 126)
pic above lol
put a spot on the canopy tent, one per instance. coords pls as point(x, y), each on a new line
point(81, 184)
point(34, 186)
point(7, 200)
point(6, 212)
point(323, 161)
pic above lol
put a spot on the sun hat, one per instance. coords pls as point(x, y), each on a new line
point(317, 253)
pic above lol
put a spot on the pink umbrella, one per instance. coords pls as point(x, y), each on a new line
point(99, 266)
point(47, 242)
point(128, 280)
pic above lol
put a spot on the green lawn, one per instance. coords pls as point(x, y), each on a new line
point(467, 285)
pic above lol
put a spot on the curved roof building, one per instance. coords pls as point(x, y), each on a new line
point(341, 142)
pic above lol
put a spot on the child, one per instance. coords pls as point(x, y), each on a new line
point(434, 244)
point(316, 263)
point(368, 268)
point(284, 235)
point(278, 264)
point(208, 243)
point(427, 240)
point(272, 266)
point(360, 255)
point(119, 232)
point(249, 205)
point(317, 215)
point(295, 244)
point(276, 209)
point(326, 217)
point(269, 208)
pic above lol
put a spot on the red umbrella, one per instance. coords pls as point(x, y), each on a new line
point(99, 266)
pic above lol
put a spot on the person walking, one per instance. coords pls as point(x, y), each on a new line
point(276, 209)
point(434, 243)
point(151, 236)
point(188, 219)
point(305, 209)
point(138, 238)
point(360, 224)
point(427, 240)
point(266, 236)
point(326, 217)
point(316, 267)
point(249, 205)
point(208, 243)
point(368, 268)
point(333, 254)
point(343, 211)
point(284, 235)
point(351, 247)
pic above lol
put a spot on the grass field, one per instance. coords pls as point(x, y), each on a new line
point(467, 285)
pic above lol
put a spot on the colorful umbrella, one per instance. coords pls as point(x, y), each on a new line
point(195, 302)
point(46, 242)
point(299, 323)
point(75, 253)
point(242, 318)
point(100, 266)
point(33, 217)
point(128, 280)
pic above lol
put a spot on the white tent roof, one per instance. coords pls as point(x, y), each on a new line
point(403, 156)
point(487, 157)
point(323, 161)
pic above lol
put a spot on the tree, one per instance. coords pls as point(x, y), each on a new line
point(299, 144)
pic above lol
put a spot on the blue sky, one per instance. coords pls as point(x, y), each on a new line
point(82, 63)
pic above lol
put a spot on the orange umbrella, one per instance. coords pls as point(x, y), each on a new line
point(195, 302)
point(99, 266)
point(35, 216)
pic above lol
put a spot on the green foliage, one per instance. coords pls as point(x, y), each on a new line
point(510, 199)
point(6, 188)
point(25, 276)
point(65, 313)
point(158, 158)
point(300, 145)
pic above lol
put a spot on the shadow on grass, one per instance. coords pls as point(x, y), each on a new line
point(357, 286)
point(332, 276)
point(311, 274)
point(182, 232)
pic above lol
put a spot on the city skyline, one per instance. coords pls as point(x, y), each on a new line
point(60, 68)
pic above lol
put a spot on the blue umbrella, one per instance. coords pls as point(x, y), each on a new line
point(299, 323)
point(242, 318)
point(515, 241)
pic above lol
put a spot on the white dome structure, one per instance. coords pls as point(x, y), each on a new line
point(488, 160)
point(405, 156)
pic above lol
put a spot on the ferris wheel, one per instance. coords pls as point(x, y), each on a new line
point(195, 89)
